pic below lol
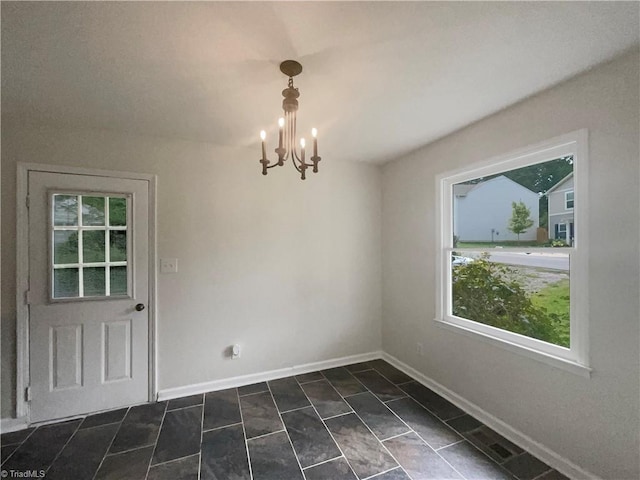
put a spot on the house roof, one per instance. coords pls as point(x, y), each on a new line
point(463, 189)
point(379, 79)
point(555, 187)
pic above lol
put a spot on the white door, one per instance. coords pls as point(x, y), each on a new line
point(88, 293)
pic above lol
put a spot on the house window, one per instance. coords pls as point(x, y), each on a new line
point(500, 277)
point(89, 246)
point(568, 200)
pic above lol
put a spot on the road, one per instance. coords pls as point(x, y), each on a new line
point(554, 261)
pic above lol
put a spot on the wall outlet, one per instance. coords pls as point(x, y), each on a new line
point(168, 265)
point(419, 349)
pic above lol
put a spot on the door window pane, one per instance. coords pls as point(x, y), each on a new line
point(92, 211)
point(94, 282)
point(65, 283)
point(65, 210)
point(93, 246)
point(65, 247)
point(118, 280)
point(117, 212)
point(118, 240)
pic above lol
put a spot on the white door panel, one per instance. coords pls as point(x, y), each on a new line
point(88, 269)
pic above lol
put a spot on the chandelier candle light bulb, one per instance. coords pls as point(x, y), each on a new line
point(287, 129)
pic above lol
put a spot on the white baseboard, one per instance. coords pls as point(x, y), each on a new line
point(170, 393)
point(551, 458)
point(13, 424)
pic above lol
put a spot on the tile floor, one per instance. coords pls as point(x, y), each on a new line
point(362, 421)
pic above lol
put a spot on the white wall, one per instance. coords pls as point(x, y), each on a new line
point(489, 206)
point(291, 270)
point(591, 422)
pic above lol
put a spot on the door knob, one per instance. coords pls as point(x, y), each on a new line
point(140, 307)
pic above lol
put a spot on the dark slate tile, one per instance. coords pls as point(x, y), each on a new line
point(183, 402)
point(14, 438)
point(82, 456)
point(39, 450)
point(224, 455)
point(309, 377)
point(337, 469)
point(382, 422)
point(183, 469)
point(253, 388)
point(526, 466)
point(273, 459)
point(493, 444)
point(260, 415)
point(324, 397)
point(380, 386)
point(221, 409)
point(345, 383)
point(390, 372)
point(365, 453)
point(397, 474)
point(552, 475)
point(472, 463)
point(464, 424)
point(180, 434)
point(433, 402)
point(104, 418)
point(419, 460)
point(311, 439)
point(6, 451)
point(288, 394)
point(140, 427)
point(431, 429)
point(132, 465)
point(358, 367)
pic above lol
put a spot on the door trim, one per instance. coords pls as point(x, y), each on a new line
point(22, 272)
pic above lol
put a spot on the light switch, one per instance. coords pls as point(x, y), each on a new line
point(168, 265)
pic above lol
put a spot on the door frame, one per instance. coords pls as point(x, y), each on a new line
point(22, 273)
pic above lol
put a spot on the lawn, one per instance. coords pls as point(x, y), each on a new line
point(555, 299)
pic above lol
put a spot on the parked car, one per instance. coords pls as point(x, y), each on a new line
point(458, 260)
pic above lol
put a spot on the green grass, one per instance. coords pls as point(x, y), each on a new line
point(555, 300)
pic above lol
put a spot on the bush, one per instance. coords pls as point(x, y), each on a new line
point(490, 293)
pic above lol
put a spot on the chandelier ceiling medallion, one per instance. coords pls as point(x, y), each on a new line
point(287, 145)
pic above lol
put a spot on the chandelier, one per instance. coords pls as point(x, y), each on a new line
point(287, 145)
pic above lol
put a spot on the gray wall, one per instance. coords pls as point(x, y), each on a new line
point(291, 270)
point(591, 422)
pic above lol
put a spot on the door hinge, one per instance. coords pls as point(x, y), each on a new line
point(27, 394)
point(27, 297)
point(28, 201)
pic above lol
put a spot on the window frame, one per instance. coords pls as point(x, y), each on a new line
point(566, 199)
point(575, 358)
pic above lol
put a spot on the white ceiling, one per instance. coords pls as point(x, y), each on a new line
point(379, 79)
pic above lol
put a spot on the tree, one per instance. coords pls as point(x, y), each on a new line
point(520, 219)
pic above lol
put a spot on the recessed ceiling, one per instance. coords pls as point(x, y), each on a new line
point(379, 79)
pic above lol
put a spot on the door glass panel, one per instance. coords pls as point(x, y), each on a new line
point(118, 280)
point(93, 246)
point(65, 247)
point(94, 281)
point(117, 212)
point(118, 240)
point(92, 211)
point(95, 243)
point(65, 210)
point(65, 283)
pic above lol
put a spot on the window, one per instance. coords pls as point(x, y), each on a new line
point(89, 246)
point(502, 275)
point(568, 200)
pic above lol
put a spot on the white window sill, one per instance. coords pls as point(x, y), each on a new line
point(561, 363)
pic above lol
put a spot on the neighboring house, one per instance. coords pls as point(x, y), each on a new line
point(482, 211)
point(561, 204)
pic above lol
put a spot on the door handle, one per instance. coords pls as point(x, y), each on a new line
point(140, 307)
